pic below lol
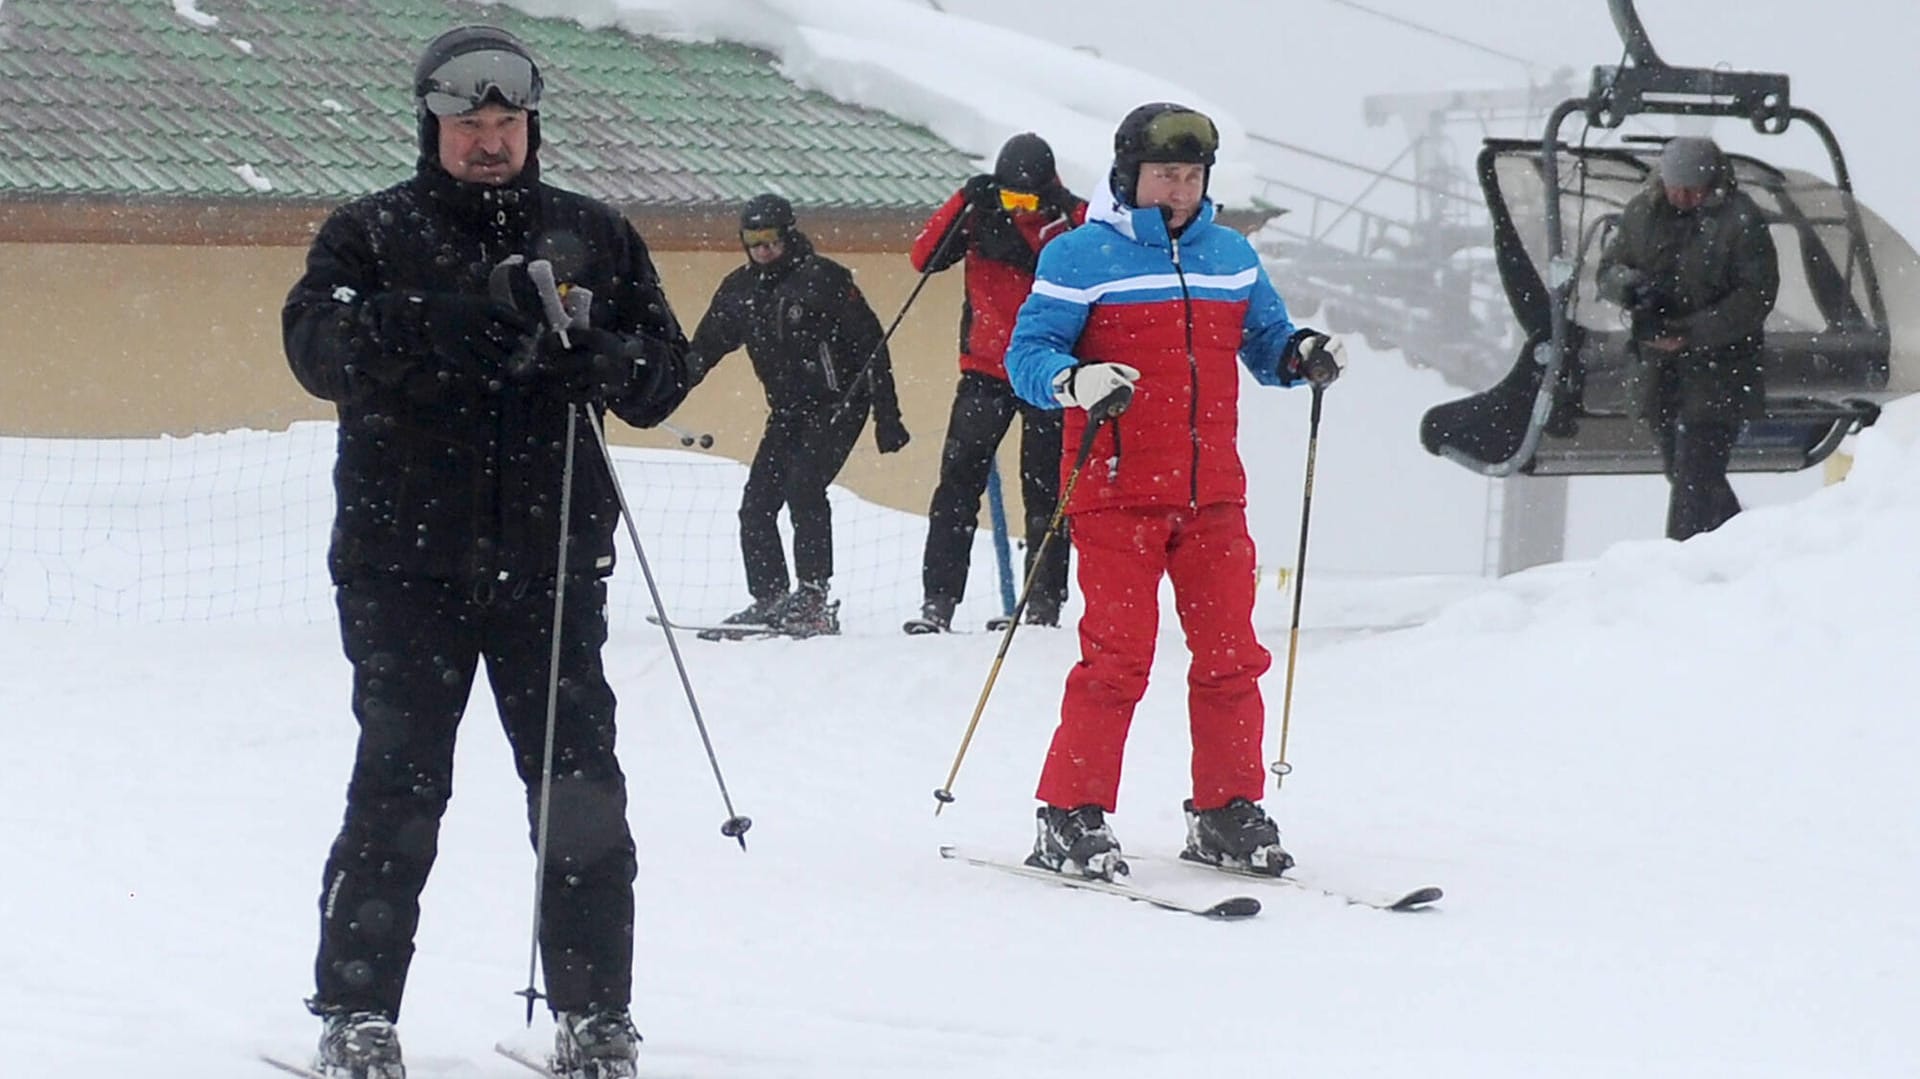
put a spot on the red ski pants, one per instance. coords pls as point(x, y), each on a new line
point(1122, 555)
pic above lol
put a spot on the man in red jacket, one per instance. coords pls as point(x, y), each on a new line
point(998, 224)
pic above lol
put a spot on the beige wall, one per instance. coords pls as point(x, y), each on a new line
point(116, 340)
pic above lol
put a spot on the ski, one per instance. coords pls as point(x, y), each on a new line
point(721, 631)
point(538, 1067)
point(290, 1069)
point(1416, 899)
point(1228, 909)
point(1000, 624)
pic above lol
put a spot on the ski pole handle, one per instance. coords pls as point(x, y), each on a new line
point(541, 273)
point(579, 304)
point(1110, 406)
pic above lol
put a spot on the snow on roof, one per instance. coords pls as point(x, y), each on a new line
point(971, 84)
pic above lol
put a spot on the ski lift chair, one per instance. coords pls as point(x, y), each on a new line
point(1836, 346)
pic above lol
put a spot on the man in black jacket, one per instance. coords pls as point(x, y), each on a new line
point(1693, 265)
point(819, 353)
point(454, 402)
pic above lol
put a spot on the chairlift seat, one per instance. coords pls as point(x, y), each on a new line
point(1835, 345)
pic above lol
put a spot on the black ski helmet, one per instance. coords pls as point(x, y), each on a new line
point(1161, 131)
point(767, 211)
point(1025, 164)
point(461, 41)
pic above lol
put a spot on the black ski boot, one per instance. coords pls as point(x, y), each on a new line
point(358, 1045)
point(808, 612)
point(761, 612)
point(760, 616)
point(1042, 619)
point(1238, 835)
point(1076, 842)
point(1043, 613)
point(936, 616)
point(597, 1044)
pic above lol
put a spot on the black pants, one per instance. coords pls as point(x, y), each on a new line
point(1695, 456)
point(983, 409)
point(415, 645)
point(800, 453)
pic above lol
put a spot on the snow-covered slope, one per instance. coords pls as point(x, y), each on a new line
point(1667, 793)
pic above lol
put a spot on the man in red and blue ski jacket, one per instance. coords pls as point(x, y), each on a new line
point(1154, 298)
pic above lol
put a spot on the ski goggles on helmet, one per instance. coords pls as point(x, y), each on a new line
point(471, 79)
point(1179, 135)
point(761, 237)
point(1019, 200)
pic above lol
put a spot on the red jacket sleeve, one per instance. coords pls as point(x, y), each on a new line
point(935, 231)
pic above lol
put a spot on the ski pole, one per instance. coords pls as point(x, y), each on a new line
point(933, 260)
point(1002, 547)
point(1108, 407)
point(532, 992)
point(1280, 767)
point(735, 826)
point(688, 438)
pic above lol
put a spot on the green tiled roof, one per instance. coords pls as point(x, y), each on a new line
point(127, 99)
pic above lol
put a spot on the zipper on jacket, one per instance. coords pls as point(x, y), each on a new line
point(826, 368)
point(1193, 381)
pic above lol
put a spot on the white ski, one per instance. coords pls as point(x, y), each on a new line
point(722, 631)
point(290, 1069)
point(538, 1067)
point(1230, 908)
point(1416, 899)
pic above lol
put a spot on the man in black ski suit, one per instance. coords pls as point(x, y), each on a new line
point(1694, 266)
point(819, 353)
point(454, 410)
point(998, 223)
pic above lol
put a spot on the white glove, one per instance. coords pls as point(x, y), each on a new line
point(1088, 384)
point(1319, 359)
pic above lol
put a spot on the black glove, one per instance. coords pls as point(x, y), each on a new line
point(468, 333)
point(600, 365)
point(1649, 301)
point(1616, 284)
point(981, 192)
point(890, 435)
point(1314, 356)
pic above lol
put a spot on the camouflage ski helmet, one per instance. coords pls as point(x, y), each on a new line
point(1161, 131)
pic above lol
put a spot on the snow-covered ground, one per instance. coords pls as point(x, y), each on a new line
point(1667, 793)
